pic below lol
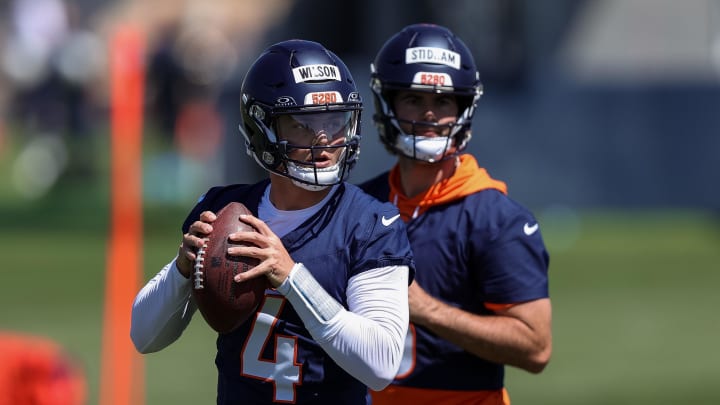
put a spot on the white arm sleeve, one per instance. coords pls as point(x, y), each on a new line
point(367, 340)
point(161, 310)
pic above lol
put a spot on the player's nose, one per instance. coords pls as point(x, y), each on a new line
point(320, 138)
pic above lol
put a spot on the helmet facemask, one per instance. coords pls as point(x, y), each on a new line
point(427, 149)
point(454, 138)
point(314, 149)
point(317, 148)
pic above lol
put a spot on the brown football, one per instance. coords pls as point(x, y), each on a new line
point(224, 303)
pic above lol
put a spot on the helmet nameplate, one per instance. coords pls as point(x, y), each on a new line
point(433, 55)
point(310, 73)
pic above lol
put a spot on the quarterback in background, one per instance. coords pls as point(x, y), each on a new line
point(480, 297)
point(333, 322)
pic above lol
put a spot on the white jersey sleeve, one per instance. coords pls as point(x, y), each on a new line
point(161, 310)
point(366, 340)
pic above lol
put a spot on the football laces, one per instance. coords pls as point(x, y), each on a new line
point(198, 274)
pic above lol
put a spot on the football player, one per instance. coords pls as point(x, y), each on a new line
point(480, 296)
point(334, 321)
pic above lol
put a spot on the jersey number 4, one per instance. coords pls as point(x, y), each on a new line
point(283, 370)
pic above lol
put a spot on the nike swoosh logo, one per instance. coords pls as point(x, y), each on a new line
point(389, 221)
point(529, 230)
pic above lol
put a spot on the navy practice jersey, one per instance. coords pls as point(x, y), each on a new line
point(272, 357)
point(481, 248)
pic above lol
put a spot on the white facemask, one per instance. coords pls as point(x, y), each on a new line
point(326, 177)
point(429, 149)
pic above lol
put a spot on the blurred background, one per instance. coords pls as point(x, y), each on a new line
point(603, 116)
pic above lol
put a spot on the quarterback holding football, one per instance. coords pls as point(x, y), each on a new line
point(335, 314)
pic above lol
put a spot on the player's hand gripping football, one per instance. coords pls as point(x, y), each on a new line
point(192, 241)
point(275, 261)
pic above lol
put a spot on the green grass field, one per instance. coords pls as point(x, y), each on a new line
point(635, 301)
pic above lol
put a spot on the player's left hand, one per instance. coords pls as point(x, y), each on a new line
point(275, 261)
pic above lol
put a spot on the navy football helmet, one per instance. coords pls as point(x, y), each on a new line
point(427, 58)
point(303, 83)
